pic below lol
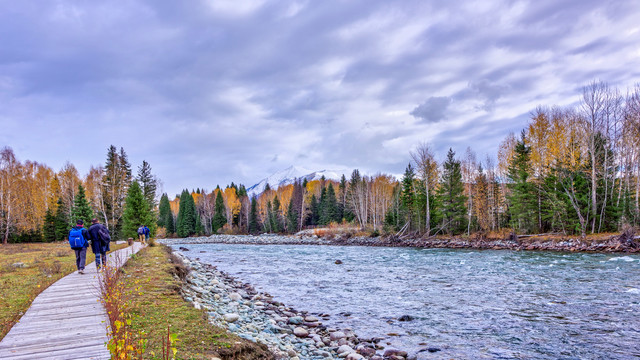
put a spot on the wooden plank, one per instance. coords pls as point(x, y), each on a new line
point(66, 321)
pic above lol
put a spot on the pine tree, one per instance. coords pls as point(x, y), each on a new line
point(81, 209)
point(523, 198)
point(49, 226)
point(314, 206)
point(321, 208)
point(276, 222)
point(187, 216)
point(253, 217)
point(342, 198)
point(407, 196)
point(116, 181)
point(165, 216)
point(136, 212)
point(451, 195)
point(220, 217)
point(482, 201)
point(61, 221)
point(148, 183)
point(292, 218)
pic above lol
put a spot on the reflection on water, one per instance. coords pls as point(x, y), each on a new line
point(470, 304)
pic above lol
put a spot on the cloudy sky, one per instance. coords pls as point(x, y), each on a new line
point(214, 91)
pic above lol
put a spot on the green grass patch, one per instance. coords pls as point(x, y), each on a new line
point(44, 264)
point(153, 280)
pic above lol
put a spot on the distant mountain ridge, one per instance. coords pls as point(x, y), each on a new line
point(292, 173)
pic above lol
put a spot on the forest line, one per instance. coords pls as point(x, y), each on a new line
point(572, 170)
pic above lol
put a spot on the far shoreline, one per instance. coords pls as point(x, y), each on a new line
point(611, 245)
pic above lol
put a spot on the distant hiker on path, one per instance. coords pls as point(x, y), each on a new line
point(78, 240)
point(141, 234)
point(100, 239)
point(146, 233)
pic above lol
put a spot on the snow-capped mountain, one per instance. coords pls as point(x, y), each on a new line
point(290, 174)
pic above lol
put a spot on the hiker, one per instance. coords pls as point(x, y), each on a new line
point(141, 234)
point(78, 240)
point(100, 239)
point(146, 233)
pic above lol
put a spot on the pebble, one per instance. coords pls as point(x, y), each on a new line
point(231, 317)
point(300, 332)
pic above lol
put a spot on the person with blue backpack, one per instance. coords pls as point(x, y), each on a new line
point(146, 233)
point(79, 242)
point(100, 239)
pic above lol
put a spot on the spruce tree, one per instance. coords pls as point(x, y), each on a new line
point(49, 226)
point(292, 218)
point(253, 217)
point(276, 223)
point(61, 221)
point(342, 197)
point(322, 205)
point(165, 216)
point(407, 197)
point(186, 223)
point(333, 210)
point(81, 209)
point(148, 183)
point(136, 212)
point(523, 199)
point(314, 206)
point(451, 195)
point(220, 217)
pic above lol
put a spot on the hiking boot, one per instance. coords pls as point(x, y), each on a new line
point(81, 271)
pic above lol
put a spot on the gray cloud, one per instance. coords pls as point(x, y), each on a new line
point(208, 92)
point(432, 110)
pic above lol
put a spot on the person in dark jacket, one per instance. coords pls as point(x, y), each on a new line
point(81, 252)
point(99, 244)
point(146, 234)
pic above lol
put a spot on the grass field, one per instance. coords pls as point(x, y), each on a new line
point(43, 264)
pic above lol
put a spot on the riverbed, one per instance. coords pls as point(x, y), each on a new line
point(468, 304)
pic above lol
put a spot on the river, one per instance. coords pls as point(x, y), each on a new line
point(468, 304)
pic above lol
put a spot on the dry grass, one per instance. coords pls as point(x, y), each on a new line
point(45, 263)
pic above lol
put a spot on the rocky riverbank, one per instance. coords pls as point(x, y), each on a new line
point(611, 244)
point(289, 333)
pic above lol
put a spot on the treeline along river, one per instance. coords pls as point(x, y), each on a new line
point(469, 304)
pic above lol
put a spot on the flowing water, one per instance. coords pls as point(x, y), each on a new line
point(469, 304)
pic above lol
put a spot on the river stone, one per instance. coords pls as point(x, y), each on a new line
point(394, 352)
point(354, 356)
point(311, 319)
point(231, 317)
point(235, 296)
point(295, 320)
point(216, 296)
point(337, 335)
point(19, 265)
point(345, 349)
point(300, 332)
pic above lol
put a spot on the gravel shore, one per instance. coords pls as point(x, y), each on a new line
point(613, 244)
point(289, 333)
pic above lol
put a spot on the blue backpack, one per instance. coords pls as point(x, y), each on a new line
point(76, 240)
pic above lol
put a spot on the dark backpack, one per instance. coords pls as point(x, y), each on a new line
point(76, 240)
point(103, 233)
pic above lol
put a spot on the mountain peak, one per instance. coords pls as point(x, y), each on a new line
point(291, 174)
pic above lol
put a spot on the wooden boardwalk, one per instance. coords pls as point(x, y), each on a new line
point(66, 321)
